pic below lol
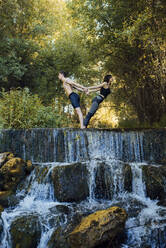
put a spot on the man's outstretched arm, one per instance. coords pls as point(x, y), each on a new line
point(75, 85)
point(72, 83)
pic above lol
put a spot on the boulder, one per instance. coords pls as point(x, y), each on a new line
point(25, 231)
point(4, 196)
point(70, 182)
point(12, 171)
point(104, 180)
point(127, 178)
point(98, 228)
point(4, 157)
point(155, 178)
point(1, 209)
point(59, 236)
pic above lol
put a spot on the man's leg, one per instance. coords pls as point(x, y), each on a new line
point(80, 115)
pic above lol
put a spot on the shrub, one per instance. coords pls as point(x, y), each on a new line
point(20, 109)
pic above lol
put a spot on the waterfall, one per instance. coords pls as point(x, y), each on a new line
point(53, 145)
point(114, 163)
point(36, 197)
point(137, 183)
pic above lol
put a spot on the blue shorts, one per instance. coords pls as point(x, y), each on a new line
point(75, 100)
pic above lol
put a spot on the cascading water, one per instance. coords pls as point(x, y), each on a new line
point(109, 157)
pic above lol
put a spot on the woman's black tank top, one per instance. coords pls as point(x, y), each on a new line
point(105, 92)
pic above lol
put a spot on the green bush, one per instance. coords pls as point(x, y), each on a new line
point(20, 109)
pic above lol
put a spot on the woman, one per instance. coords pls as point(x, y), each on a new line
point(104, 92)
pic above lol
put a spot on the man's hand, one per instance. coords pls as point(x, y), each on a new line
point(86, 90)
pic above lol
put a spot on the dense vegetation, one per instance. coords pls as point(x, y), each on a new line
point(88, 39)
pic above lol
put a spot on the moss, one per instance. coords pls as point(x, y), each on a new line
point(101, 217)
point(10, 156)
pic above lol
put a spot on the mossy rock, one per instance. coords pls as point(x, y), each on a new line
point(4, 198)
point(98, 228)
point(155, 178)
point(25, 232)
point(60, 235)
point(12, 172)
point(4, 157)
point(71, 182)
point(127, 178)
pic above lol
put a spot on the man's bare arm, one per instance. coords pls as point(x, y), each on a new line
point(81, 89)
point(69, 81)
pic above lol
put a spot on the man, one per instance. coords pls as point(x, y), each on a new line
point(68, 86)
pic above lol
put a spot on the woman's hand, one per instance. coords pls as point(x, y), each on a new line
point(86, 90)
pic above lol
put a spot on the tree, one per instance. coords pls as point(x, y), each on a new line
point(37, 40)
point(129, 38)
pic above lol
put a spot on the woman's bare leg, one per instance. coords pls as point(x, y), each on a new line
point(80, 115)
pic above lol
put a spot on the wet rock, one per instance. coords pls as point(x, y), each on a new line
point(151, 237)
point(58, 239)
point(13, 170)
point(63, 209)
point(4, 157)
point(98, 228)
point(4, 196)
point(106, 185)
point(71, 182)
point(132, 205)
point(157, 238)
point(59, 236)
point(25, 232)
point(127, 178)
point(8, 198)
point(154, 178)
point(1, 209)
point(103, 182)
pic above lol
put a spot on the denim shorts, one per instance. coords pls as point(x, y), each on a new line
point(75, 100)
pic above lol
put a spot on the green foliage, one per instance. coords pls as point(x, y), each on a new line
point(88, 39)
point(16, 56)
point(20, 109)
point(129, 38)
point(37, 40)
point(129, 123)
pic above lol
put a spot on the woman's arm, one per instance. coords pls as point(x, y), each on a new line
point(92, 90)
point(96, 87)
